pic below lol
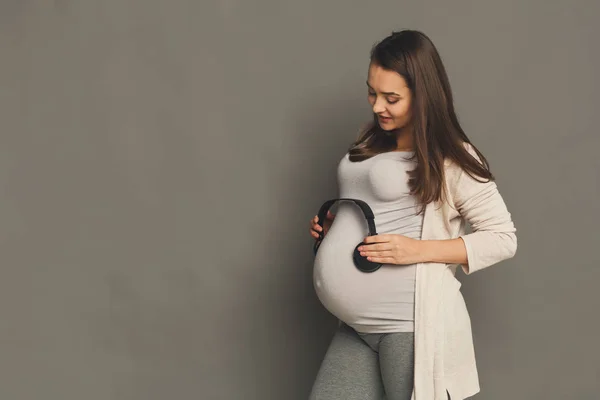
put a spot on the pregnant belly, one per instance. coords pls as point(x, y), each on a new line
point(352, 295)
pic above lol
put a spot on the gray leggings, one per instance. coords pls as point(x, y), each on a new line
point(371, 366)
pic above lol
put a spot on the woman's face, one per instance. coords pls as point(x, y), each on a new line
point(390, 97)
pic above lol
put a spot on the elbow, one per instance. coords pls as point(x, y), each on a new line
point(485, 248)
point(511, 245)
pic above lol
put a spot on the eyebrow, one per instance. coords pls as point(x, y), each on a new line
point(386, 93)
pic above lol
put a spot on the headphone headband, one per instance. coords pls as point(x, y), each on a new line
point(364, 207)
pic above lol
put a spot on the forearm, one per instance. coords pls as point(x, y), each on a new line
point(450, 251)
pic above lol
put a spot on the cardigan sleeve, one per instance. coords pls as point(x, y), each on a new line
point(493, 237)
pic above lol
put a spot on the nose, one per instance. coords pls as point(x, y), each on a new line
point(378, 107)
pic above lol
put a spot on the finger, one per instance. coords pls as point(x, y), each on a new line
point(381, 260)
point(314, 224)
point(370, 239)
point(376, 247)
point(383, 253)
point(376, 239)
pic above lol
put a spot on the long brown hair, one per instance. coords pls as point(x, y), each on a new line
point(437, 133)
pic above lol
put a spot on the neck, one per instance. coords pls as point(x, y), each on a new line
point(404, 140)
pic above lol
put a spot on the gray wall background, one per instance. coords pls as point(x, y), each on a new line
point(159, 163)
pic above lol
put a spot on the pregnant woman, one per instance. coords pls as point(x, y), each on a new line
point(404, 329)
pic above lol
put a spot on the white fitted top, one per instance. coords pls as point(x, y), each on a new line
point(381, 301)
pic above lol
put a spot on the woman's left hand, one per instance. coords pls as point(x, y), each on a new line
point(391, 249)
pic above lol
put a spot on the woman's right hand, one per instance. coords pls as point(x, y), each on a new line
point(315, 228)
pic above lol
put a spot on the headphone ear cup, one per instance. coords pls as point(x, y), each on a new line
point(362, 263)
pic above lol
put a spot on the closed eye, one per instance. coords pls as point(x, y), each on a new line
point(389, 101)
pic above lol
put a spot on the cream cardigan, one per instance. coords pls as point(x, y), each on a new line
point(444, 353)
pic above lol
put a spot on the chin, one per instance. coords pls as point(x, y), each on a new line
point(387, 128)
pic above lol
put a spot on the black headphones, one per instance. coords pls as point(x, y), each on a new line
point(361, 262)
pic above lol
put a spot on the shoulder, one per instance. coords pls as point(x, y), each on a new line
point(452, 168)
point(457, 180)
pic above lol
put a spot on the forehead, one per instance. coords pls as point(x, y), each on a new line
point(386, 80)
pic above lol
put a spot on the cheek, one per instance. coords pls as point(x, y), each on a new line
point(401, 112)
